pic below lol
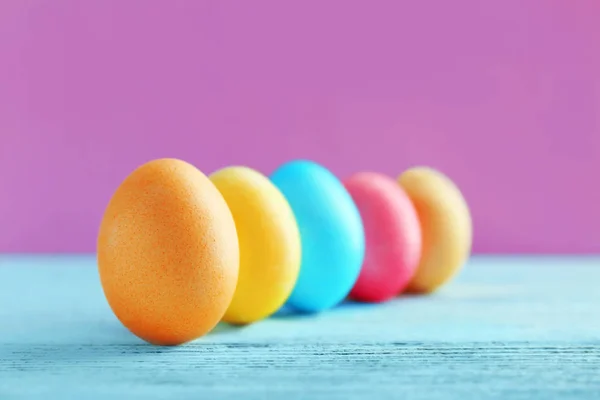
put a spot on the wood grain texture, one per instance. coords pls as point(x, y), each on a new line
point(506, 328)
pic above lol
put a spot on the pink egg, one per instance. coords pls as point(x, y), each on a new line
point(392, 233)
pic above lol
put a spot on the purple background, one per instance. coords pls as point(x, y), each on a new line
point(503, 96)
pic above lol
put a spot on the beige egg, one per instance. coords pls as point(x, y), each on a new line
point(445, 223)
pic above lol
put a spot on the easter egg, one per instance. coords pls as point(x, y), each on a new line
point(331, 235)
point(168, 254)
point(445, 223)
point(392, 234)
point(269, 243)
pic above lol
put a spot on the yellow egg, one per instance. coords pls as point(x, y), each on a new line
point(269, 242)
point(168, 254)
point(445, 223)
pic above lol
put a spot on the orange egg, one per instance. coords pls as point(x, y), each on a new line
point(168, 253)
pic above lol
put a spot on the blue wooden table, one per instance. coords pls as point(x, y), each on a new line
point(506, 328)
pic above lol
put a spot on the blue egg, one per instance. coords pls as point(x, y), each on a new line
point(331, 234)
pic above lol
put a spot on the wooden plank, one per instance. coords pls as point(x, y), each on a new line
point(506, 328)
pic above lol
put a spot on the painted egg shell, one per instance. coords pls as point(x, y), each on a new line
point(445, 223)
point(331, 233)
point(269, 243)
point(392, 233)
point(168, 253)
